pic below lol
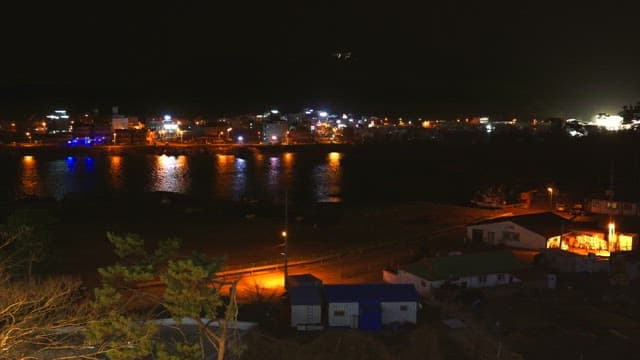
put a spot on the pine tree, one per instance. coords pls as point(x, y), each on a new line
point(192, 292)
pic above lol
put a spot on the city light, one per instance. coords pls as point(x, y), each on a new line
point(167, 118)
point(612, 231)
point(323, 114)
point(609, 122)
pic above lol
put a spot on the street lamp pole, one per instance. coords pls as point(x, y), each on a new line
point(285, 235)
point(550, 190)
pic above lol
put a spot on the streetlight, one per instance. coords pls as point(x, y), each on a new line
point(550, 190)
point(284, 236)
point(114, 138)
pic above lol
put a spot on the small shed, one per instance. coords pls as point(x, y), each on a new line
point(306, 298)
point(370, 306)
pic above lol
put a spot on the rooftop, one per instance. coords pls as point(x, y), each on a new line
point(371, 293)
point(546, 224)
point(442, 268)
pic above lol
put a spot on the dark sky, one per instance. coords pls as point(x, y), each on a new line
point(440, 59)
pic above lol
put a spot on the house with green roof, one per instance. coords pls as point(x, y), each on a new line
point(485, 269)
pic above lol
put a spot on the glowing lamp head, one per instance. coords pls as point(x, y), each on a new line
point(240, 138)
point(284, 233)
point(550, 190)
point(273, 137)
point(323, 114)
point(167, 117)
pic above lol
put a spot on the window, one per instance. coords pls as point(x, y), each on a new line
point(500, 277)
point(338, 313)
point(403, 308)
point(423, 283)
point(510, 236)
point(482, 279)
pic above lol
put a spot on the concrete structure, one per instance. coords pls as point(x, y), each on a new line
point(485, 269)
point(531, 231)
point(370, 306)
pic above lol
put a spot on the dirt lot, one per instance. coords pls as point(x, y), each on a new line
point(247, 236)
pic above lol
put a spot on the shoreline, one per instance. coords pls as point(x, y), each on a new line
point(59, 150)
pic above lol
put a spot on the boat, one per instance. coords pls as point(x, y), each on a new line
point(488, 201)
point(494, 198)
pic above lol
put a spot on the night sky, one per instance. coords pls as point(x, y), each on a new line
point(444, 59)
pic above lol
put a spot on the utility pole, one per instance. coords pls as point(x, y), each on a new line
point(285, 235)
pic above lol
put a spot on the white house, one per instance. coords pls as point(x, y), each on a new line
point(370, 306)
point(523, 231)
point(485, 269)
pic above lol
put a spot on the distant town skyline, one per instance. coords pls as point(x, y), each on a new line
point(441, 60)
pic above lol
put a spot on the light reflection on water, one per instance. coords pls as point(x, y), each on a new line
point(29, 181)
point(115, 172)
point(224, 177)
point(327, 179)
point(171, 174)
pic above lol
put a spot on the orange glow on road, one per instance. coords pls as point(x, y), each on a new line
point(271, 281)
point(267, 285)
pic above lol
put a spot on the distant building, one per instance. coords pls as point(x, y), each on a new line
point(486, 269)
point(613, 207)
point(274, 132)
point(531, 231)
point(370, 306)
